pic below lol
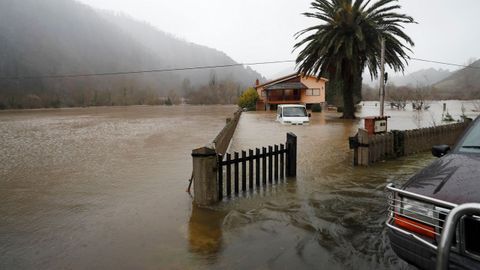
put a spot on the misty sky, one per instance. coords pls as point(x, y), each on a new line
point(263, 30)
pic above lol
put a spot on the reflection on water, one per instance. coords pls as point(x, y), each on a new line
point(205, 232)
point(105, 188)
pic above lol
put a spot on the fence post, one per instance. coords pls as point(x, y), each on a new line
point(291, 155)
point(364, 147)
point(205, 188)
point(355, 149)
point(220, 177)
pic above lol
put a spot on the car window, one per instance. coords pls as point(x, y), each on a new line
point(294, 112)
point(471, 141)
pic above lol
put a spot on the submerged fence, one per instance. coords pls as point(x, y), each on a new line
point(222, 140)
point(369, 149)
point(214, 177)
point(260, 167)
point(216, 174)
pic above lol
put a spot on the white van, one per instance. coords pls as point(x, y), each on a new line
point(294, 114)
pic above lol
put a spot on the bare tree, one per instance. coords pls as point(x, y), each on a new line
point(420, 97)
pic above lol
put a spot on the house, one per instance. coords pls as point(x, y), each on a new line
point(291, 89)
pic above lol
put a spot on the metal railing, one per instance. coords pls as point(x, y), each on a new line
point(445, 230)
point(453, 218)
point(284, 98)
point(397, 208)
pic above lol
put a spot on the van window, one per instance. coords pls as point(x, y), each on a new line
point(294, 112)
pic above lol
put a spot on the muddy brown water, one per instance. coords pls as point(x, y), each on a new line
point(104, 188)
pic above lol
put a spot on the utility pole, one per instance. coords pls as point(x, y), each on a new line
point(382, 78)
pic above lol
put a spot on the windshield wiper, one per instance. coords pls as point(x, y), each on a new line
point(471, 146)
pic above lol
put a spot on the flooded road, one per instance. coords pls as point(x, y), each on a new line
point(99, 188)
point(331, 215)
point(105, 188)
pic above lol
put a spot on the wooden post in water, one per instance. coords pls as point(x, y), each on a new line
point(363, 148)
point(220, 178)
point(257, 167)
point(276, 163)
point(229, 175)
point(244, 171)
point(270, 164)
point(250, 169)
point(235, 154)
point(282, 158)
point(291, 155)
point(205, 188)
point(264, 167)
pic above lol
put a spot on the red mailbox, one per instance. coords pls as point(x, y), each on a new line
point(376, 124)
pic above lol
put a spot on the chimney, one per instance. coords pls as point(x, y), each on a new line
point(257, 82)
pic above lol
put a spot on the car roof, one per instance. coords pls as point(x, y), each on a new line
point(291, 105)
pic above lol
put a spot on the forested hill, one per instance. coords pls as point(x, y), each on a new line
point(52, 37)
point(464, 83)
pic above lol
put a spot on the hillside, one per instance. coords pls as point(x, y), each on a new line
point(463, 84)
point(52, 37)
point(179, 53)
point(423, 77)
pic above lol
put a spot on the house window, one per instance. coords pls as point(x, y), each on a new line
point(264, 93)
point(312, 92)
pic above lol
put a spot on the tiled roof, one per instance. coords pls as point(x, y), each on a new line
point(286, 78)
point(287, 85)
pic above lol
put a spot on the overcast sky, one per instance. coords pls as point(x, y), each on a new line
point(263, 30)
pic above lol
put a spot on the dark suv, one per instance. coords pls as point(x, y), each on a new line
point(418, 210)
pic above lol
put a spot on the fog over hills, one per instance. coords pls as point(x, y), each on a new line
point(174, 52)
point(464, 83)
point(51, 37)
point(423, 77)
point(432, 84)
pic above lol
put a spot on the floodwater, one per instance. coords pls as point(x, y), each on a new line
point(104, 188)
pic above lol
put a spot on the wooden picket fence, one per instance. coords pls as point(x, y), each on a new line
point(369, 149)
point(262, 168)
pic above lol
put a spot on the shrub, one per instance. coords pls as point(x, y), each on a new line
point(448, 118)
point(55, 103)
point(316, 107)
point(248, 99)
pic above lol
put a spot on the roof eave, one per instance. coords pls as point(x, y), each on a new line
point(288, 77)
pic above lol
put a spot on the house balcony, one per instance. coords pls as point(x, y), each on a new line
point(282, 96)
point(283, 99)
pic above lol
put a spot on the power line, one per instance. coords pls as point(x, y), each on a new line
point(59, 76)
point(443, 63)
point(144, 71)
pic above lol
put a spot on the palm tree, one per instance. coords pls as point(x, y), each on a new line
point(348, 39)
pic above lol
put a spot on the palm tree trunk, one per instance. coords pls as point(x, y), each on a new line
point(357, 89)
point(348, 104)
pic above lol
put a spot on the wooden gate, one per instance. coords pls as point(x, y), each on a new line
point(262, 167)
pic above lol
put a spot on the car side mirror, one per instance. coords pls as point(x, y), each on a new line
point(440, 150)
point(309, 115)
